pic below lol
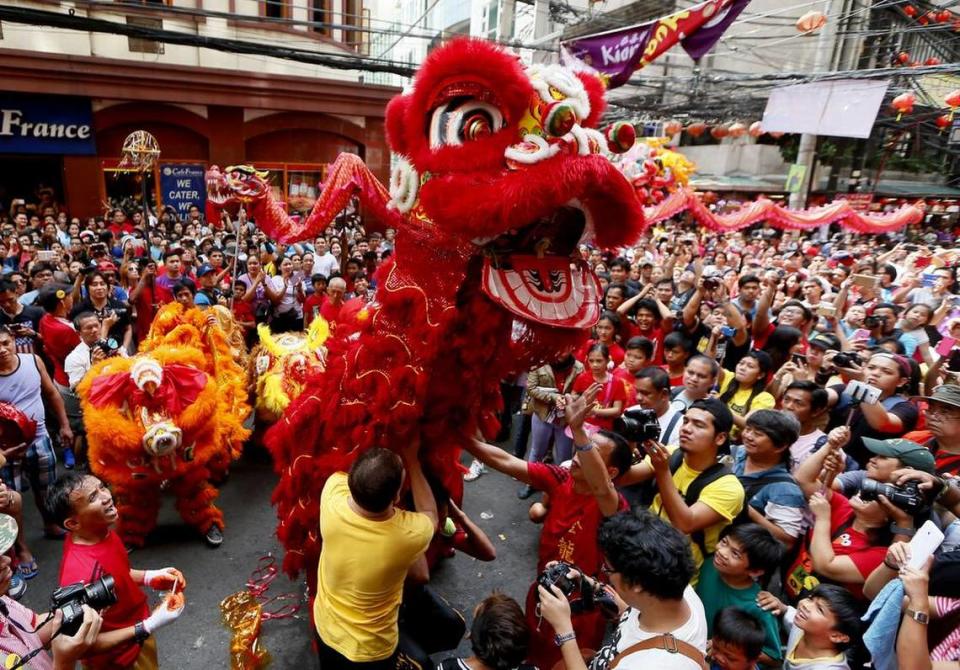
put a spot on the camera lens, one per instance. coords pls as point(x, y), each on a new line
point(101, 593)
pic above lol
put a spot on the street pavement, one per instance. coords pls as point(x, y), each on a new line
point(199, 639)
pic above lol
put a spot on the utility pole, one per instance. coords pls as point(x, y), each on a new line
point(806, 154)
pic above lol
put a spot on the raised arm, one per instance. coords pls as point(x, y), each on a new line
point(808, 473)
point(423, 499)
point(499, 460)
point(594, 469)
point(761, 320)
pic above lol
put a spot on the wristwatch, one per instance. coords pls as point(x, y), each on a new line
point(900, 530)
point(586, 447)
point(919, 617)
point(560, 640)
point(140, 633)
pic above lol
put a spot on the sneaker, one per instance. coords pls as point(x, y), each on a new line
point(476, 469)
point(18, 586)
point(69, 461)
point(214, 537)
point(525, 492)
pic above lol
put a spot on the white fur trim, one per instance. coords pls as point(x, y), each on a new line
point(544, 151)
point(144, 370)
point(543, 77)
point(404, 185)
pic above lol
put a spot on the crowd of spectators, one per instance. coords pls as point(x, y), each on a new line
point(731, 468)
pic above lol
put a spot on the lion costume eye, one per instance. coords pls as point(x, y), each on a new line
point(461, 120)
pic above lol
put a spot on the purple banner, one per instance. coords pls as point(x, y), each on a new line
point(620, 53)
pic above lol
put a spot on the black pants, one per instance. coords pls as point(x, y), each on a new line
point(428, 625)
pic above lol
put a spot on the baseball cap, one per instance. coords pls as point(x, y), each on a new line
point(826, 341)
point(910, 453)
point(947, 394)
point(206, 268)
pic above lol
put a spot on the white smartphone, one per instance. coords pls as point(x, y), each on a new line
point(868, 395)
point(923, 544)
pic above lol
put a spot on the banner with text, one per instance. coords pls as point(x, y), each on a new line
point(183, 185)
point(619, 53)
point(46, 124)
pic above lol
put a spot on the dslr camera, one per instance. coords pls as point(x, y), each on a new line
point(71, 598)
point(584, 595)
point(846, 359)
point(638, 424)
point(108, 346)
point(872, 322)
point(908, 497)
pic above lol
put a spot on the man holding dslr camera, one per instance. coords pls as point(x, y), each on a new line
point(83, 505)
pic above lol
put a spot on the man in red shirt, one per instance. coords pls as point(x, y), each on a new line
point(330, 309)
point(119, 225)
point(579, 500)
point(83, 505)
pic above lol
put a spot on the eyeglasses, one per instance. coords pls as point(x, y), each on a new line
point(939, 409)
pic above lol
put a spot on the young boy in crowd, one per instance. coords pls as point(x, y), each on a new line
point(745, 555)
point(820, 629)
point(83, 506)
point(637, 355)
point(737, 642)
point(676, 353)
point(311, 306)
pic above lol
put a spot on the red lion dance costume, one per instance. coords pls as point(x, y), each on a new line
point(500, 176)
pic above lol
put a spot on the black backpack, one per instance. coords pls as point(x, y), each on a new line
point(752, 487)
point(704, 479)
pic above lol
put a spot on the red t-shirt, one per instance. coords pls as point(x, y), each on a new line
point(629, 386)
point(616, 352)
point(846, 542)
point(656, 336)
point(87, 562)
point(243, 311)
point(569, 534)
point(612, 391)
point(329, 311)
point(674, 381)
point(59, 339)
point(311, 308)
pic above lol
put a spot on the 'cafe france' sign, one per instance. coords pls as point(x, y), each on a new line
point(45, 124)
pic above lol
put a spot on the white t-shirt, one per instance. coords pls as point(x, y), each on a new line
point(325, 264)
point(674, 435)
point(803, 447)
point(289, 300)
point(629, 633)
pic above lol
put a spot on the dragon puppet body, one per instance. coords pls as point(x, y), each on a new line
point(500, 173)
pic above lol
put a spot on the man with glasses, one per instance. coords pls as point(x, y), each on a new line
point(942, 436)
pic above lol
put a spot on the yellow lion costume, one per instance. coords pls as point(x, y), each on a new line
point(281, 363)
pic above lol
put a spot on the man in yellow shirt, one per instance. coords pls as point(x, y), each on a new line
point(369, 546)
point(705, 430)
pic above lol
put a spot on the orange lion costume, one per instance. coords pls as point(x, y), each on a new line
point(170, 417)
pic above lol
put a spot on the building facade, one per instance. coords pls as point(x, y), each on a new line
point(70, 98)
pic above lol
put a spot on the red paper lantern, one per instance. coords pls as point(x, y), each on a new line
point(737, 130)
point(671, 128)
point(903, 103)
point(943, 122)
point(924, 20)
point(811, 22)
point(719, 132)
point(696, 129)
point(903, 58)
point(944, 16)
point(953, 101)
point(910, 11)
point(932, 61)
point(756, 129)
